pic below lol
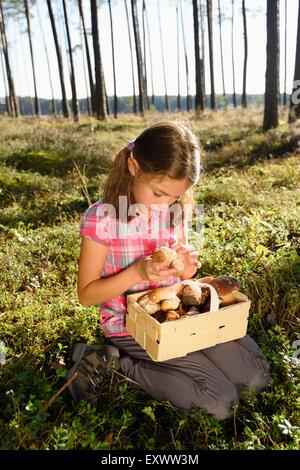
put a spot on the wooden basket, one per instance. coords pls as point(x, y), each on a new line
point(177, 338)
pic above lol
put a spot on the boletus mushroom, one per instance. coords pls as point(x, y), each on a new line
point(191, 294)
point(170, 257)
point(146, 303)
point(226, 286)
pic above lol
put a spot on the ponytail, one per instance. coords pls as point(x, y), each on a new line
point(119, 181)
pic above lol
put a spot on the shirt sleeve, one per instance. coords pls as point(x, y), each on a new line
point(94, 224)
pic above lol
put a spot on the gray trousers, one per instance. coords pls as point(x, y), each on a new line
point(211, 379)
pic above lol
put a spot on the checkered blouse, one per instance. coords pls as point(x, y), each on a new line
point(127, 242)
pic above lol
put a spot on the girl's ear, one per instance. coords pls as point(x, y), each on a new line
point(133, 166)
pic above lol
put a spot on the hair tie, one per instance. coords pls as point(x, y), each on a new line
point(131, 145)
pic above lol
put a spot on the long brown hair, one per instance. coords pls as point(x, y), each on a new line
point(167, 149)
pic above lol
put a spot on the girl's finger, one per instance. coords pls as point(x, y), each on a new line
point(168, 272)
point(187, 249)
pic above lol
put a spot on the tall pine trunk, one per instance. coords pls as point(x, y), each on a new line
point(294, 113)
point(36, 100)
point(131, 59)
point(163, 60)
point(113, 60)
point(232, 56)
point(272, 85)
point(150, 55)
point(285, 52)
point(178, 62)
point(53, 104)
point(145, 54)
point(211, 54)
point(199, 102)
point(84, 66)
point(65, 108)
point(202, 58)
point(72, 75)
point(139, 58)
point(221, 52)
point(100, 95)
point(88, 58)
point(244, 93)
point(13, 102)
point(188, 96)
point(7, 104)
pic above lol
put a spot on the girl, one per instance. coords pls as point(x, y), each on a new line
point(148, 179)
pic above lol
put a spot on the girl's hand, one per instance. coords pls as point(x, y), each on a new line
point(150, 271)
point(190, 258)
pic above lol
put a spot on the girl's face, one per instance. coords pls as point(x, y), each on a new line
point(159, 190)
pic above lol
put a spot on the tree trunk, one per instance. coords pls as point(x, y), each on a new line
point(163, 60)
point(145, 54)
point(211, 54)
point(150, 55)
point(294, 113)
point(72, 77)
point(285, 52)
point(7, 103)
point(202, 59)
point(272, 85)
point(84, 66)
point(244, 94)
point(100, 100)
point(232, 56)
point(113, 60)
point(53, 105)
point(36, 100)
point(88, 58)
point(14, 105)
point(178, 62)
point(139, 58)
point(188, 97)
point(199, 103)
point(131, 58)
point(221, 52)
point(65, 108)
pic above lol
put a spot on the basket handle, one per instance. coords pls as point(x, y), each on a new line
point(214, 299)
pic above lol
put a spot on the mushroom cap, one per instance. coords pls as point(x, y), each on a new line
point(225, 285)
point(191, 294)
point(164, 254)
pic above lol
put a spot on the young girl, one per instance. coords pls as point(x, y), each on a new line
point(150, 177)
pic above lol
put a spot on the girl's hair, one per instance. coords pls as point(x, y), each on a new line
point(166, 149)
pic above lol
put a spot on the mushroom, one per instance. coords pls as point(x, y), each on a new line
point(172, 315)
point(193, 310)
point(163, 293)
point(239, 297)
point(160, 316)
point(166, 255)
point(225, 287)
point(191, 294)
point(170, 304)
point(181, 310)
point(145, 302)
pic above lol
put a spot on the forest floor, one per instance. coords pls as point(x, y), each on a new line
point(50, 170)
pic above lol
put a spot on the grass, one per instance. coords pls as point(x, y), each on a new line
point(250, 191)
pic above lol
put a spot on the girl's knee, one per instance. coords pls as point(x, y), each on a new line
point(219, 402)
point(259, 378)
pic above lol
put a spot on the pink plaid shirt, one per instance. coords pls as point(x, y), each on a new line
point(126, 243)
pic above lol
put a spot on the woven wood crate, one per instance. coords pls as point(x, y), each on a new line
point(177, 338)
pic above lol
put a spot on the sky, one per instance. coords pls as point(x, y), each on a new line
point(256, 22)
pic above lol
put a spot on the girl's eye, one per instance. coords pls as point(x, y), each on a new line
point(158, 195)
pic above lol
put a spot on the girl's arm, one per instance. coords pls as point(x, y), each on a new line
point(93, 291)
